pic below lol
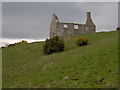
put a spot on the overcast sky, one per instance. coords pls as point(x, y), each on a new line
point(31, 20)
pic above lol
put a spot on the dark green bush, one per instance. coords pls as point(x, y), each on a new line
point(80, 41)
point(54, 44)
point(118, 28)
point(11, 45)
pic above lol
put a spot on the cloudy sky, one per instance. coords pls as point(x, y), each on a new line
point(31, 20)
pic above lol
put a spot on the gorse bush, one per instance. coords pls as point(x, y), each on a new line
point(80, 41)
point(18, 43)
point(54, 44)
point(11, 45)
point(21, 42)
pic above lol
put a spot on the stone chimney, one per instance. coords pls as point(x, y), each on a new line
point(89, 20)
point(53, 25)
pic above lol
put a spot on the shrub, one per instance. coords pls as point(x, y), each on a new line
point(11, 45)
point(54, 44)
point(18, 43)
point(2, 47)
point(80, 41)
point(21, 42)
point(118, 28)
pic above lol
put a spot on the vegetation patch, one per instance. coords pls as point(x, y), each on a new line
point(80, 41)
point(18, 43)
point(54, 44)
point(92, 66)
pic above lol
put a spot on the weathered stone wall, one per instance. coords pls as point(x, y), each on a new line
point(53, 26)
point(63, 29)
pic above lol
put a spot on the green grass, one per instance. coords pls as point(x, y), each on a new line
point(92, 66)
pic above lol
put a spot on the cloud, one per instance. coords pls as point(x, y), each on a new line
point(105, 15)
point(31, 20)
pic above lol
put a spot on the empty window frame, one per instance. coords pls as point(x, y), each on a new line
point(65, 26)
point(75, 26)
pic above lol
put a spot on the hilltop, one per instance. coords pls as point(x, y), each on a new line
point(92, 66)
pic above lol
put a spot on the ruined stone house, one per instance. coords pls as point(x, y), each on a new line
point(64, 29)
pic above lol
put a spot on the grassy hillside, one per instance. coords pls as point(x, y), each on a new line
point(91, 66)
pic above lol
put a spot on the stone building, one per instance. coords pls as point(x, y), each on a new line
point(63, 29)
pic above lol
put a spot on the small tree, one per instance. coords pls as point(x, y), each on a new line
point(54, 44)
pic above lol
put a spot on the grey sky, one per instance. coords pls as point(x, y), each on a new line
point(32, 19)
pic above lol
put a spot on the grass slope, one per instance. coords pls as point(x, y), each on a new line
point(91, 66)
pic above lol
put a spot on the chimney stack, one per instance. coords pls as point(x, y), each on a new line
point(89, 20)
point(88, 14)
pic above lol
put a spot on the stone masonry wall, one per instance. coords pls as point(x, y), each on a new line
point(63, 29)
